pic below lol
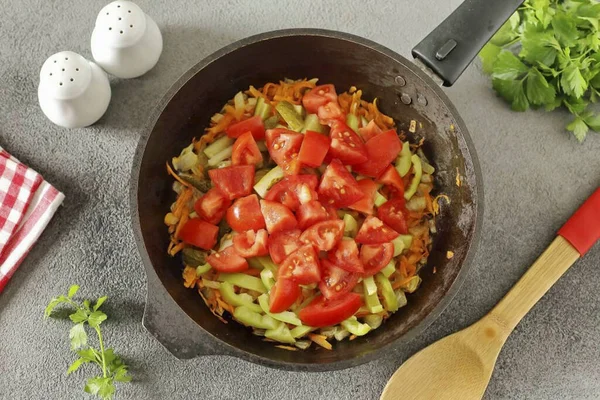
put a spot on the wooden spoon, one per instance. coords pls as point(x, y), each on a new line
point(459, 366)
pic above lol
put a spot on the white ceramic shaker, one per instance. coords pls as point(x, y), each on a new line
point(73, 92)
point(126, 42)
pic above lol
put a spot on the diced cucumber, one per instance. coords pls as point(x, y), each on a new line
point(263, 186)
point(352, 122)
point(389, 269)
point(407, 239)
point(350, 226)
point(370, 286)
point(412, 189)
point(217, 146)
point(300, 110)
point(403, 161)
point(399, 246)
point(379, 199)
point(311, 123)
point(290, 116)
point(271, 122)
point(222, 156)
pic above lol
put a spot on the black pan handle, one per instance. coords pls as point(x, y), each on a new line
point(449, 49)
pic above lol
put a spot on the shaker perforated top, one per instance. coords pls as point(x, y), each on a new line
point(65, 75)
point(121, 24)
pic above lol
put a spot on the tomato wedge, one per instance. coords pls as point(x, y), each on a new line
point(393, 213)
point(302, 266)
point(374, 231)
point(310, 213)
point(345, 256)
point(329, 113)
point(392, 178)
point(245, 214)
point(369, 131)
point(251, 244)
point(322, 312)
point(338, 187)
point(284, 146)
point(318, 96)
point(382, 150)
point(346, 145)
point(365, 205)
point(235, 181)
point(277, 216)
point(282, 295)
point(227, 260)
point(212, 206)
point(314, 149)
point(294, 190)
point(254, 125)
point(375, 257)
point(324, 235)
point(199, 233)
point(336, 281)
point(282, 244)
point(246, 151)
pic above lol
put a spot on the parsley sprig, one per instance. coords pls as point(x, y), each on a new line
point(547, 55)
point(112, 367)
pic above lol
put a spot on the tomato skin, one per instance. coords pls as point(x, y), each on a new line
point(302, 266)
point(324, 235)
point(212, 206)
point(284, 146)
point(345, 256)
point(245, 214)
point(314, 149)
point(294, 190)
point(322, 312)
point(382, 150)
point(318, 96)
point(310, 213)
point(369, 131)
point(235, 181)
point(393, 213)
point(346, 145)
point(375, 257)
point(336, 281)
point(330, 112)
point(338, 187)
point(199, 233)
point(365, 205)
point(392, 178)
point(227, 260)
point(277, 217)
point(282, 244)
point(254, 125)
point(246, 151)
point(251, 244)
point(282, 295)
point(374, 231)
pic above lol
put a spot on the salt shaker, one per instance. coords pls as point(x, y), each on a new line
point(126, 42)
point(73, 92)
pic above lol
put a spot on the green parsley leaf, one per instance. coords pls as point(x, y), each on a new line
point(52, 305)
point(102, 387)
point(539, 47)
point(79, 316)
point(513, 92)
point(89, 355)
point(579, 128)
point(488, 56)
point(565, 29)
point(96, 318)
point(78, 336)
point(76, 364)
point(593, 122)
point(572, 82)
point(508, 66)
point(121, 374)
point(538, 90)
point(99, 302)
point(72, 291)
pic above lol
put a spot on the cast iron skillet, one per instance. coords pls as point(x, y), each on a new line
point(177, 316)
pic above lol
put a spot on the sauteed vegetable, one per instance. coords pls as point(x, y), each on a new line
point(302, 214)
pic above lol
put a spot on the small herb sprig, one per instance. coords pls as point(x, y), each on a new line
point(112, 367)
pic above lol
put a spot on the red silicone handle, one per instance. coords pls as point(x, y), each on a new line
point(583, 228)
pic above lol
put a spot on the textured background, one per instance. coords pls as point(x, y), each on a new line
point(535, 176)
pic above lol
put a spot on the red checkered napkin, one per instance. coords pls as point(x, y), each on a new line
point(27, 203)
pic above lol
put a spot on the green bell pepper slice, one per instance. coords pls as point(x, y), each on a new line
point(387, 292)
point(389, 269)
point(267, 278)
point(237, 300)
point(352, 122)
point(403, 161)
point(243, 280)
point(250, 318)
point(280, 334)
point(202, 269)
point(412, 189)
point(301, 330)
point(286, 316)
point(399, 245)
point(372, 300)
point(354, 327)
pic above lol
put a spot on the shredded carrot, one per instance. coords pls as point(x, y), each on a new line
point(171, 172)
point(254, 92)
point(185, 215)
point(345, 100)
point(320, 340)
point(287, 347)
point(428, 202)
point(182, 200)
point(229, 109)
point(352, 337)
point(171, 229)
point(177, 248)
point(224, 305)
point(189, 277)
point(252, 272)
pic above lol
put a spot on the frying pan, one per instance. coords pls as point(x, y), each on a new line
point(177, 316)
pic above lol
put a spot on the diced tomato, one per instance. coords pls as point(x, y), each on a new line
point(294, 190)
point(382, 150)
point(373, 231)
point(324, 235)
point(284, 146)
point(212, 206)
point(332, 211)
point(245, 214)
point(235, 181)
point(199, 233)
point(338, 187)
point(365, 205)
point(329, 113)
point(322, 312)
point(346, 145)
point(277, 216)
point(302, 266)
point(282, 244)
point(246, 151)
point(313, 149)
point(254, 125)
point(393, 213)
point(336, 281)
point(345, 256)
point(251, 244)
point(227, 260)
point(317, 97)
point(375, 257)
point(282, 295)
point(310, 213)
point(367, 132)
point(392, 178)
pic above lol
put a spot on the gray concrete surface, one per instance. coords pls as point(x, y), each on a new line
point(535, 176)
